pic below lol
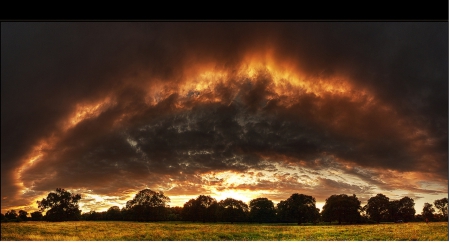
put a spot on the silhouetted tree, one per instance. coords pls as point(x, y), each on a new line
point(207, 208)
point(189, 209)
point(418, 218)
point(298, 208)
point(203, 208)
point(406, 209)
point(92, 215)
point(175, 213)
point(262, 210)
point(442, 206)
point(378, 208)
point(36, 216)
point(402, 209)
point(394, 207)
point(23, 215)
point(126, 214)
point(2, 217)
point(63, 206)
point(427, 211)
point(148, 205)
point(342, 208)
point(113, 213)
point(438, 217)
point(232, 210)
point(11, 214)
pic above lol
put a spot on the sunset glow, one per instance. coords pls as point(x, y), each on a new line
point(276, 109)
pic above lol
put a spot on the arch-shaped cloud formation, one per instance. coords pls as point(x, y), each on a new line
point(221, 108)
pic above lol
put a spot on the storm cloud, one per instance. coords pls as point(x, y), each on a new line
point(206, 108)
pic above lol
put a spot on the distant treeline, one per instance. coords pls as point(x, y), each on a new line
point(149, 205)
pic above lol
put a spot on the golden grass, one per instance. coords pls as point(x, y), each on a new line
point(186, 231)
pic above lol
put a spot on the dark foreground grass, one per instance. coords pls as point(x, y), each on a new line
point(186, 231)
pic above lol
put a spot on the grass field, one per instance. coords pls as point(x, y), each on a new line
point(185, 231)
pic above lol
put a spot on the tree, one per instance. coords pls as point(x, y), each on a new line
point(394, 207)
point(402, 209)
point(126, 214)
point(262, 210)
point(207, 208)
point(148, 205)
point(23, 215)
point(406, 209)
point(11, 214)
point(442, 206)
point(175, 213)
point(62, 205)
point(232, 210)
point(203, 208)
point(378, 208)
point(427, 211)
point(92, 215)
point(36, 216)
point(342, 208)
point(189, 209)
point(113, 213)
point(298, 207)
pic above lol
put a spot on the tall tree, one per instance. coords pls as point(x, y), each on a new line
point(62, 205)
point(442, 206)
point(148, 205)
point(36, 216)
point(394, 210)
point(203, 208)
point(23, 215)
point(113, 213)
point(342, 208)
point(402, 209)
point(298, 208)
point(11, 214)
point(189, 210)
point(175, 213)
point(428, 211)
point(92, 215)
point(378, 208)
point(406, 209)
point(232, 210)
point(262, 210)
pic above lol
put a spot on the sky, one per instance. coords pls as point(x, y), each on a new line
point(226, 109)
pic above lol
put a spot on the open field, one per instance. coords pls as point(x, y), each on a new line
point(184, 231)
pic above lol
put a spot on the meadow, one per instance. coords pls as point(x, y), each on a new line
point(187, 231)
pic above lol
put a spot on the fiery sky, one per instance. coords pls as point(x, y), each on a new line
point(240, 110)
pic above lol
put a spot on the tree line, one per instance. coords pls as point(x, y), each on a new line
point(148, 205)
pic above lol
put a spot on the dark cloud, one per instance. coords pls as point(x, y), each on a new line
point(152, 130)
